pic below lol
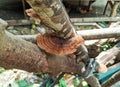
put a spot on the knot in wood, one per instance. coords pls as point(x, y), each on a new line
point(59, 46)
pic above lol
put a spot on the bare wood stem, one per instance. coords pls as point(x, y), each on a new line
point(100, 33)
point(86, 34)
point(97, 19)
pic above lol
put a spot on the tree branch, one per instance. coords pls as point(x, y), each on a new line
point(18, 53)
point(52, 14)
point(86, 34)
point(100, 33)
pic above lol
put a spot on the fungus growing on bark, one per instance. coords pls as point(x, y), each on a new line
point(56, 45)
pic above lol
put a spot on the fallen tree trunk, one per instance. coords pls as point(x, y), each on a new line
point(18, 53)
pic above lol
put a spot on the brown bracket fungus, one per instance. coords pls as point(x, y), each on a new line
point(56, 45)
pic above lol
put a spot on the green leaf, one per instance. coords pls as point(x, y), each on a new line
point(76, 81)
point(49, 83)
point(107, 46)
point(102, 24)
point(62, 83)
point(22, 83)
point(42, 75)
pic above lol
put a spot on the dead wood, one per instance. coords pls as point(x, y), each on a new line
point(100, 33)
point(86, 34)
point(18, 53)
point(52, 14)
point(105, 56)
point(93, 19)
point(59, 32)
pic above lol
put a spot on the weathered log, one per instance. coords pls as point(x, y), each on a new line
point(100, 33)
point(86, 34)
point(106, 56)
point(19, 22)
point(97, 19)
point(14, 51)
point(18, 53)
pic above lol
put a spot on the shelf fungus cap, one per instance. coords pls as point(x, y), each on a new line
point(59, 46)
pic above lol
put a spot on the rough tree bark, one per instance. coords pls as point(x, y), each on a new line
point(21, 54)
point(52, 15)
point(59, 31)
point(18, 53)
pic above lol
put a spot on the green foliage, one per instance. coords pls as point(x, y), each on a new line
point(107, 46)
point(33, 29)
point(22, 83)
point(41, 75)
point(49, 83)
point(102, 24)
point(62, 83)
point(76, 81)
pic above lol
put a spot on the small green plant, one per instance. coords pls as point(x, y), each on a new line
point(62, 83)
point(107, 46)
